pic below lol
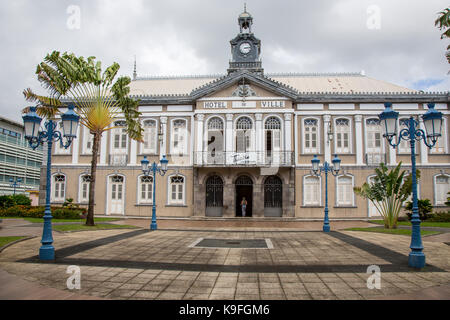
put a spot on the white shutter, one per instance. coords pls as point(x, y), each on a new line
point(240, 140)
point(442, 187)
point(276, 140)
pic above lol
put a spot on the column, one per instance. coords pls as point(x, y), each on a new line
point(103, 151)
point(259, 139)
point(286, 156)
point(327, 146)
point(423, 147)
point(359, 144)
point(163, 148)
point(76, 146)
point(229, 138)
point(199, 149)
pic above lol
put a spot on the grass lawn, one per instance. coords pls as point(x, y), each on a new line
point(423, 224)
point(6, 240)
point(83, 227)
point(405, 232)
point(40, 220)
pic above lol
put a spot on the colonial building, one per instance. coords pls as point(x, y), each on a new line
point(251, 134)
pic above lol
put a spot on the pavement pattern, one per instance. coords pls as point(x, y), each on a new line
point(164, 264)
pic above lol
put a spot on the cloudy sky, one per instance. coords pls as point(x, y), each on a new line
point(390, 40)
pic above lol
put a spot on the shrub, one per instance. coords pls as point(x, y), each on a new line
point(21, 199)
point(6, 202)
point(38, 212)
point(424, 206)
point(440, 217)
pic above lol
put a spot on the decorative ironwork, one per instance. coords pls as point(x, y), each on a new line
point(120, 123)
point(86, 178)
point(244, 181)
point(215, 124)
point(310, 122)
point(244, 123)
point(147, 179)
point(272, 123)
point(214, 192)
point(373, 122)
point(150, 123)
point(117, 179)
point(273, 195)
point(342, 122)
point(244, 90)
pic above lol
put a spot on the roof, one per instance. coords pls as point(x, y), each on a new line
point(301, 82)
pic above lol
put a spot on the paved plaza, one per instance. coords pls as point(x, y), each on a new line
point(171, 263)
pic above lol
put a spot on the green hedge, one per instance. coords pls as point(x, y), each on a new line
point(439, 217)
point(38, 212)
point(14, 200)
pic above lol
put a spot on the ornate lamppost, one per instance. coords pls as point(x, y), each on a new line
point(317, 170)
point(432, 120)
point(35, 137)
point(146, 169)
point(15, 183)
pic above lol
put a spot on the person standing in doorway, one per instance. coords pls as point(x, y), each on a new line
point(243, 206)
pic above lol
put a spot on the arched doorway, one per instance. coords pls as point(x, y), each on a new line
point(244, 188)
point(273, 197)
point(214, 196)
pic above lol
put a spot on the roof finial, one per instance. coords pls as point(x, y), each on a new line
point(134, 72)
point(245, 7)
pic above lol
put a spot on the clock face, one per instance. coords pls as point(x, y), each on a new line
point(245, 48)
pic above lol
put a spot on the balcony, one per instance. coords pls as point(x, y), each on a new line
point(244, 159)
point(118, 160)
point(375, 158)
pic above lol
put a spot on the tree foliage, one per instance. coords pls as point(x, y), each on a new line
point(443, 23)
point(99, 100)
point(388, 191)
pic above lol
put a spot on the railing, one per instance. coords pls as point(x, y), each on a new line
point(375, 158)
point(251, 158)
point(118, 159)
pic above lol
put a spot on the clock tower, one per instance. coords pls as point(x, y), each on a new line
point(245, 47)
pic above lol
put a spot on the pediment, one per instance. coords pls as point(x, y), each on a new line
point(226, 86)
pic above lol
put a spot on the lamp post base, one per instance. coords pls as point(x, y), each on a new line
point(326, 228)
point(47, 252)
point(153, 226)
point(416, 260)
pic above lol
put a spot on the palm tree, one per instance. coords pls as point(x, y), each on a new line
point(98, 100)
point(443, 22)
point(388, 192)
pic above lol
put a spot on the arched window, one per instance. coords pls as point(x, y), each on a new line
point(344, 191)
point(88, 141)
point(120, 138)
point(85, 181)
point(150, 137)
point(244, 126)
point(179, 137)
point(310, 136)
point(343, 133)
point(58, 188)
point(146, 189)
point(441, 187)
point(215, 143)
point(311, 191)
point(176, 190)
point(373, 133)
point(272, 130)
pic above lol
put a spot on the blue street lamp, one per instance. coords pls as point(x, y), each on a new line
point(35, 137)
point(153, 169)
point(15, 183)
point(433, 125)
point(334, 169)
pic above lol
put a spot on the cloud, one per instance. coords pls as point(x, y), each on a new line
point(192, 37)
